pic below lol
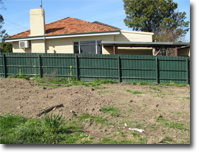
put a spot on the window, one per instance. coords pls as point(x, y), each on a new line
point(88, 47)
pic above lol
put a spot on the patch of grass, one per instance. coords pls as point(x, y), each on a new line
point(178, 113)
point(174, 84)
point(21, 76)
point(20, 130)
point(136, 134)
point(111, 141)
point(110, 110)
point(48, 85)
point(10, 121)
point(186, 98)
point(160, 95)
point(71, 81)
point(171, 124)
point(144, 106)
point(96, 118)
point(104, 92)
point(134, 83)
point(183, 99)
point(156, 89)
point(133, 92)
point(167, 138)
point(98, 87)
point(147, 83)
point(130, 110)
point(143, 83)
point(123, 135)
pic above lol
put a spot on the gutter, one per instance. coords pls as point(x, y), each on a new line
point(62, 36)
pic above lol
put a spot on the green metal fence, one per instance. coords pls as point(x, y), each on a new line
point(87, 67)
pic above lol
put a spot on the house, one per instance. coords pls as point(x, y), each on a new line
point(184, 51)
point(71, 35)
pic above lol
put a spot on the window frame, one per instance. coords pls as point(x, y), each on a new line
point(79, 46)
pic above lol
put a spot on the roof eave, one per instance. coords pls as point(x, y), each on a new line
point(117, 32)
point(142, 44)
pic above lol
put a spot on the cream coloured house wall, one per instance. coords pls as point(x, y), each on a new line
point(134, 36)
point(16, 49)
point(38, 46)
point(65, 45)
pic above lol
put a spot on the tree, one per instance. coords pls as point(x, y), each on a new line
point(155, 16)
point(173, 29)
point(4, 47)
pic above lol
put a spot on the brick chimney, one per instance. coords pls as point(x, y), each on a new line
point(37, 22)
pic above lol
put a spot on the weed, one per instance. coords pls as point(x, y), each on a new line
point(178, 113)
point(96, 118)
point(135, 134)
point(91, 138)
point(156, 89)
point(103, 92)
point(143, 83)
point(52, 122)
point(123, 135)
point(110, 110)
point(98, 87)
point(23, 76)
point(186, 98)
point(173, 84)
point(147, 83)
point(171, 124)
point(167, 138)
point(52, 81)
point(130, 110)
point(160, 95)
point(137, 92)
point(134, 83)
point(144, 106)
point(133, 92)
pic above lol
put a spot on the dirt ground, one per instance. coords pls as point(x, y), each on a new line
point(20, 96)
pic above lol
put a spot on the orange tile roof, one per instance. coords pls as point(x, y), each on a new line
point(71, 25)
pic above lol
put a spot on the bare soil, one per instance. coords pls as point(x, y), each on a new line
point(24, 97)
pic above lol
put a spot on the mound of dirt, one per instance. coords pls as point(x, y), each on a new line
point(138, 109)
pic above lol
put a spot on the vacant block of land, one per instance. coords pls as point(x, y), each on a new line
point(102, 111)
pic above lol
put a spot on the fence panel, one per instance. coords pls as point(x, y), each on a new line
point(172, 69)
point(138, 68)
point(87, 67)
point(98, 66)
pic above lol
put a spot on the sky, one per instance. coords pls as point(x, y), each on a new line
point(17, 19)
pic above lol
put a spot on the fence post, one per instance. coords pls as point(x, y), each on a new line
point(4, 65)
point(157, 70)
point(187, 69)
point(40, 66)
point(119, 69)
point(77, 67)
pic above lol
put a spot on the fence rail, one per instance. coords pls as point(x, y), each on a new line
point(87, 67)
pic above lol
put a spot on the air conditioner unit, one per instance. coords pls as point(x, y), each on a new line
point(23, 44)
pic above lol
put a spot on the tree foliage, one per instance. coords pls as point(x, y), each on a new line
point(158, 16)
point(4, 47)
